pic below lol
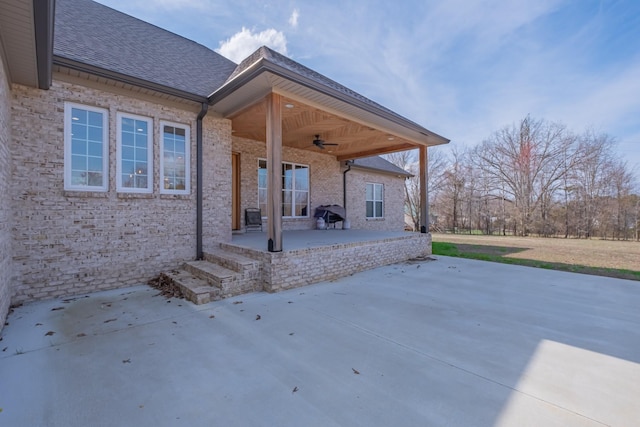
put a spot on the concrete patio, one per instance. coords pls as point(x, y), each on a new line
point(450, 342)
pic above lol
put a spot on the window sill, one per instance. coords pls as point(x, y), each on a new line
point(166, 196)
point(86, 194)
point(135, 195)
point(374, 219)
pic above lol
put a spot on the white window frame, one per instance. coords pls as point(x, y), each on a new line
point(374, 200)
point(120, 188)
point(293, 191)
point(68, 136)
point(187, 157)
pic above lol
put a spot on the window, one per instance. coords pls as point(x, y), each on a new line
point(135, 154)
point(295, 189)
point(175, 157)
point(375, 200)
point(86, 148)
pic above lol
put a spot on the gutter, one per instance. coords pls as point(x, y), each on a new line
point(199, 192)
point(344, 185)
point(43, 16)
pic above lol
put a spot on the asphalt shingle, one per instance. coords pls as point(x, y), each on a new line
point(94, 34)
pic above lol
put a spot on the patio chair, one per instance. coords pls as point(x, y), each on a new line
point(253, 219)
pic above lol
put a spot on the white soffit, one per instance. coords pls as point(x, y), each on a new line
point(17, 34)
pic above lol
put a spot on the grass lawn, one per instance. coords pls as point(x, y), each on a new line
point(603, 258)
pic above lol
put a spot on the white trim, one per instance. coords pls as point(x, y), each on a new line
point(68, 121)
point(120, 188)
point(374, 200)
point(187, 158)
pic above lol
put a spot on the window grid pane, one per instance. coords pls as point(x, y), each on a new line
point(295, 189)
point(86, 148)
point(374, 194)
point(134, 144)
point(175, 158)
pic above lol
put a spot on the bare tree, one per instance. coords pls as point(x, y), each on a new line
point(529, 160)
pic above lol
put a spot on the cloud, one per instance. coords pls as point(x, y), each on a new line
point(293, 19)
point(244, 43)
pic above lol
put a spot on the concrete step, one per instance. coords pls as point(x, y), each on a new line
point(195, 289)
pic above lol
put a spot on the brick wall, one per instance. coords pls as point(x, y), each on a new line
point(393, 193)
point(5, 199)
point(325, 179)
point(295, 268)
point(75, 242)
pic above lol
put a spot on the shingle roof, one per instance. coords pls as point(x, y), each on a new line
point(90, 33)
point(380, 164)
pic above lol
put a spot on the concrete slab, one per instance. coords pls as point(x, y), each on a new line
point(450, 342)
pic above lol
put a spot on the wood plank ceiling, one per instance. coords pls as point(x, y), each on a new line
point(301, 122)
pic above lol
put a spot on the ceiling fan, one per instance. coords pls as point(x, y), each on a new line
point(320, 143)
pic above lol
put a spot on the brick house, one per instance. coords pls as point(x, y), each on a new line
point(126, 151)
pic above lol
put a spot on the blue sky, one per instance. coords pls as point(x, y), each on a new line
point(461, 68)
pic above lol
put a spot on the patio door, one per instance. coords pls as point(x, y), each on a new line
point(235, 191)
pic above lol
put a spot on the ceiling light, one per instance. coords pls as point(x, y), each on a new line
point(289, 105)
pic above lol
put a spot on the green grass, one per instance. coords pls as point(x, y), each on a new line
point(489, 253)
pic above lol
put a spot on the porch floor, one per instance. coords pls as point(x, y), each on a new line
point(304, 239)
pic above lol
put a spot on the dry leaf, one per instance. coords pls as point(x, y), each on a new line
point(258, 317)
point(48, 334)
point(110, 320)
point(294, 389)
point(355, 371)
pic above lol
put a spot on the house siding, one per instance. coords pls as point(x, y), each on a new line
point(5, 204)
point(393, 200)
point(72, 242)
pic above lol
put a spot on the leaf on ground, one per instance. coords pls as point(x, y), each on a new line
point(291, 333)
point(81, 334)
point(237, 302)
point(48, 334)
point(38, 324)
point(258, 317)
point(126, 361)
point(294, 389)
point(355, 371)
point(57, 308)
point(110, 320)
point(5, 349)
point(212, 317)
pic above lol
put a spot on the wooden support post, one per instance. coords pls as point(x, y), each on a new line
point(424, 191)
point(274, 172)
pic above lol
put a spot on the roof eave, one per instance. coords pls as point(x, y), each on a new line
point(263, 65)
point(123, 78)
point(404, 174)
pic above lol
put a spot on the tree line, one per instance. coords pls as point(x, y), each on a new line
point(534, 177)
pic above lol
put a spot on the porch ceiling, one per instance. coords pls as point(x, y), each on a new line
point(301, 122)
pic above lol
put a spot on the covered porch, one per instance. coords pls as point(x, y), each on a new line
point(277, 104)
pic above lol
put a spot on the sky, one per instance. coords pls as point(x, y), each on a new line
point(461, 68)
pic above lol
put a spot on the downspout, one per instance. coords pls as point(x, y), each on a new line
point(199, 156)
point(348, 163)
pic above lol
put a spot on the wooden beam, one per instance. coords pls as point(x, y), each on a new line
point(377, 151)
point(274, 172)
point(424, 191)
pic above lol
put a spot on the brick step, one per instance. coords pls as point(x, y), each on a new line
point(216, 275)
point(248, 267)
point(195, 289)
